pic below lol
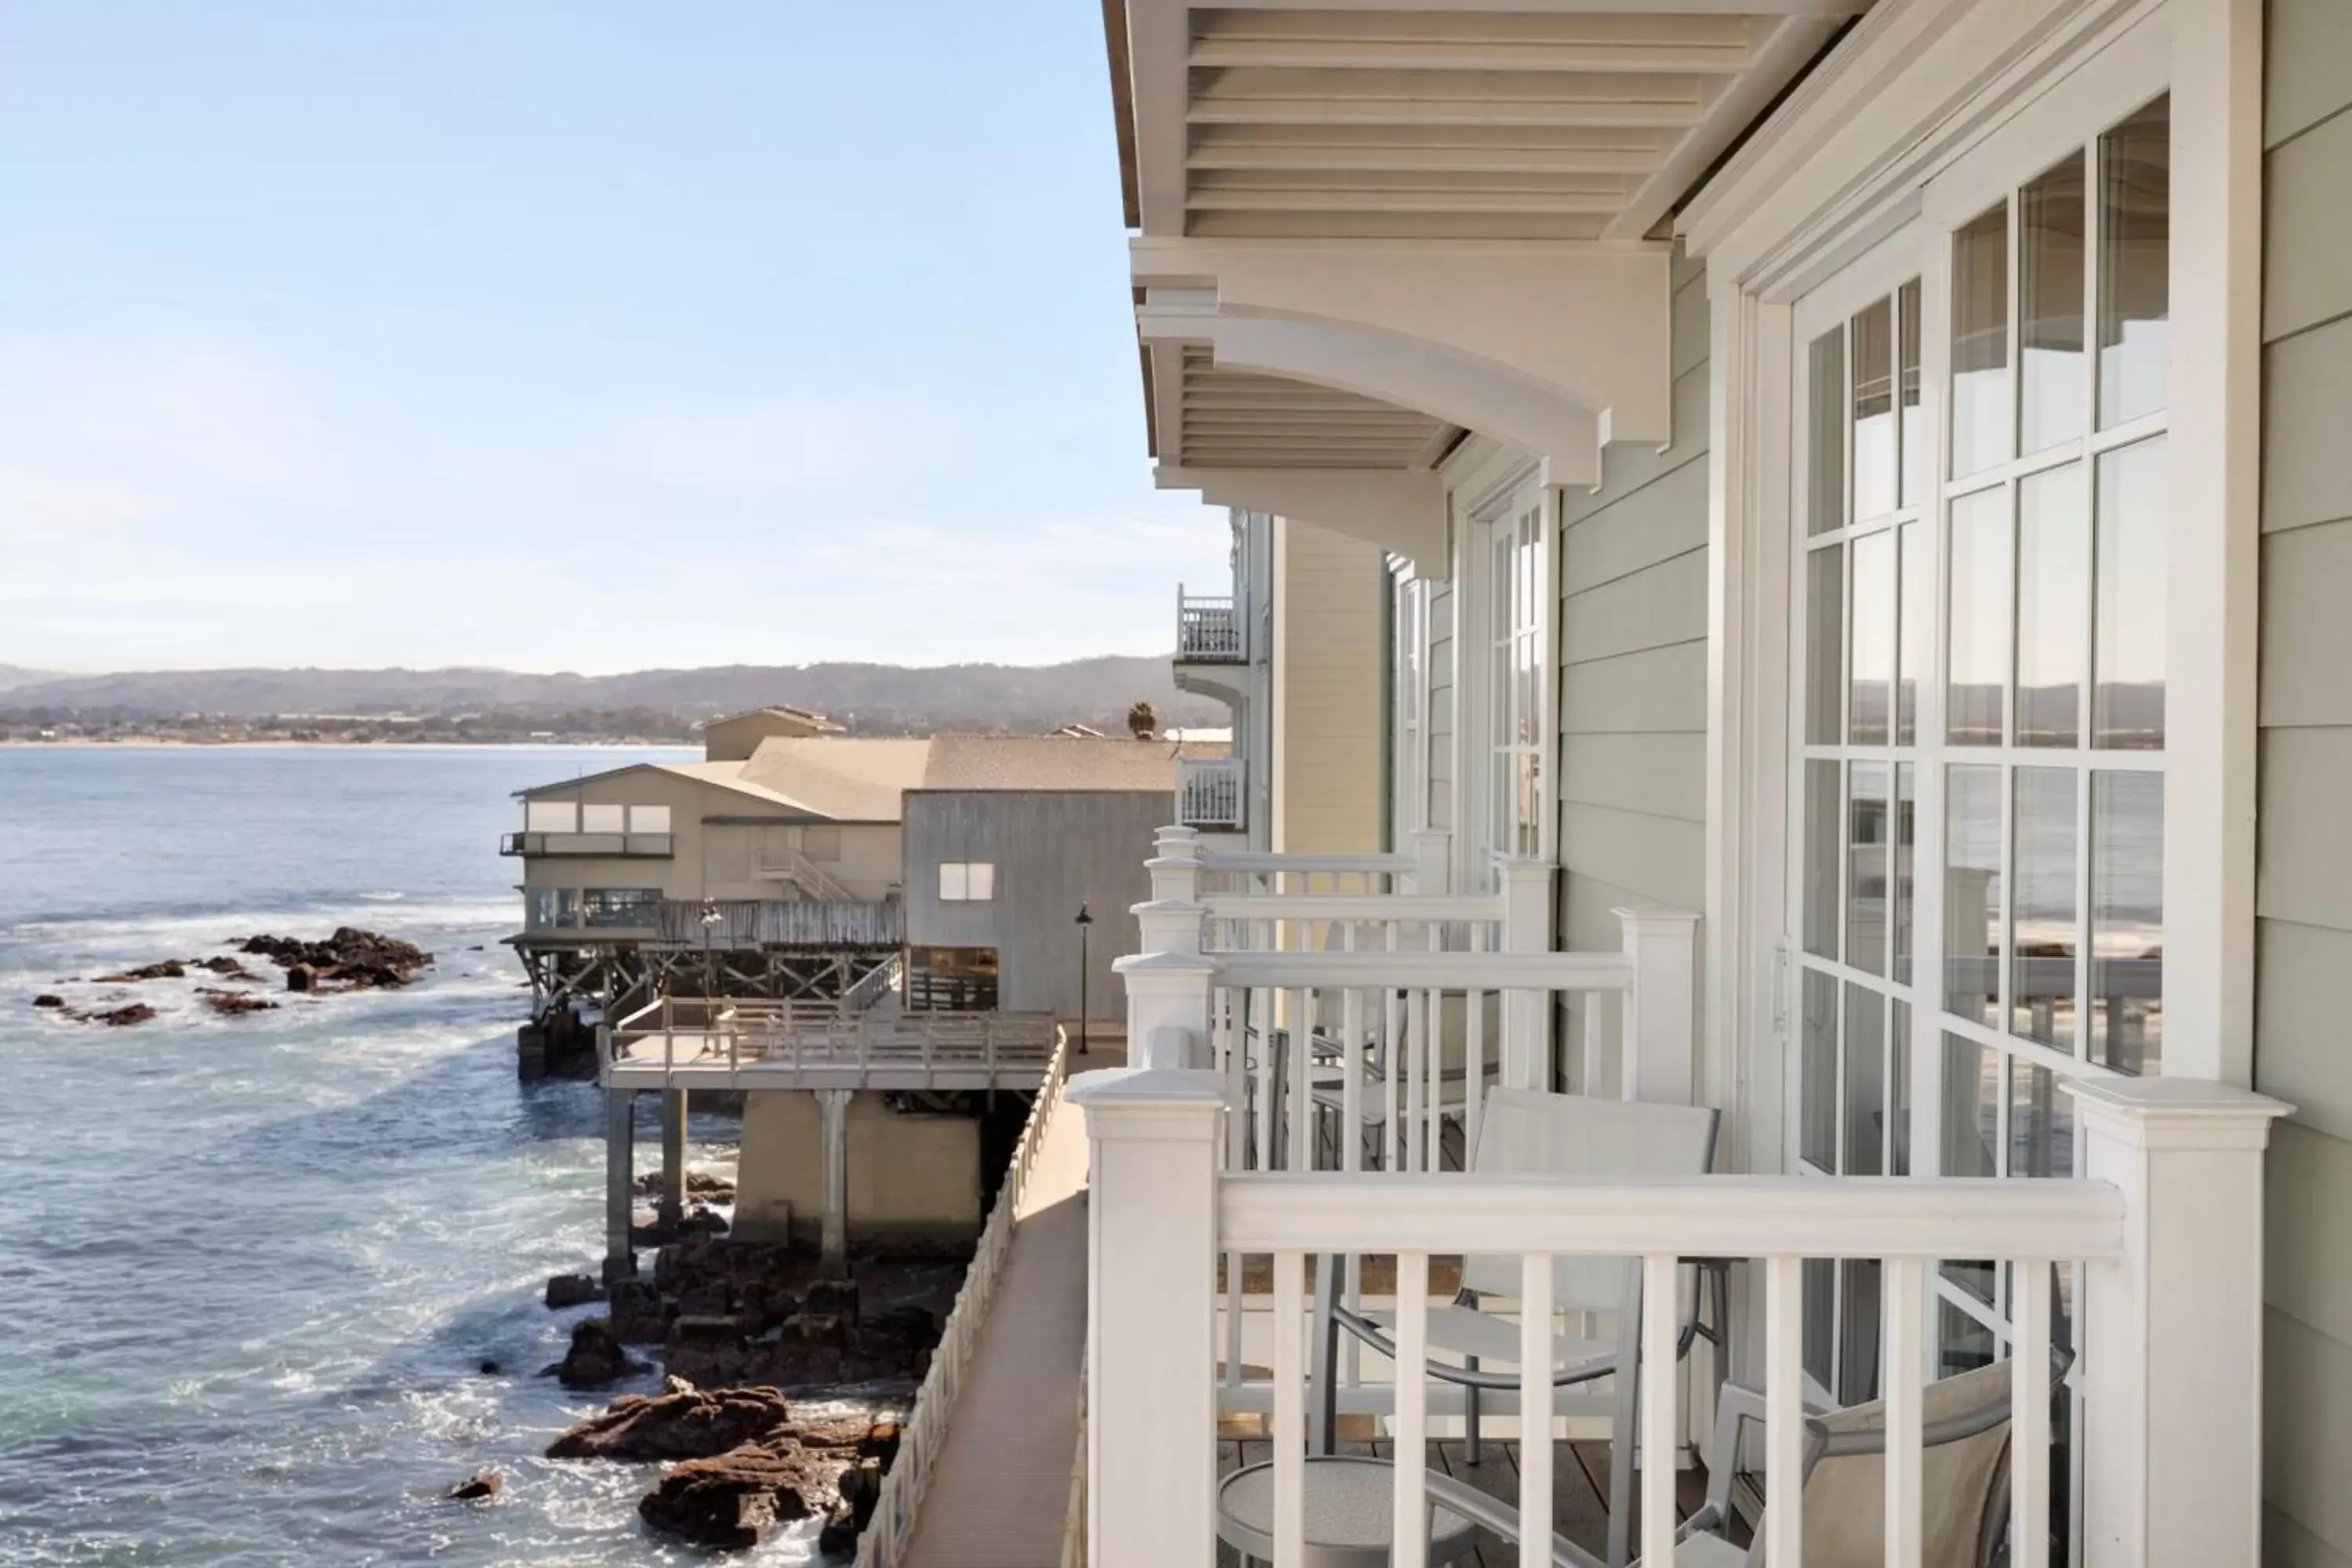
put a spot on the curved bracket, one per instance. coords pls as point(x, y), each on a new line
point(1400, 510)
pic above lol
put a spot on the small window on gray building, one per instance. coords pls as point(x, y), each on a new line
point(630, 907)
point(967, 881)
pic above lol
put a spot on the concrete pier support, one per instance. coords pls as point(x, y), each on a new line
point(673, 1166)
point(833, 1151)
point(620, 1179)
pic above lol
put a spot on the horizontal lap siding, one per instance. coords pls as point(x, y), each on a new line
point(1632, 672)
point(2303, 907)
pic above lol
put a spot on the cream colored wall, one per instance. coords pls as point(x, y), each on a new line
point(1329, 652)
point(914, 1178)
point(2304, 898)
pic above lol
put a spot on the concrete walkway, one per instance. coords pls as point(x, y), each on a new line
point(1001, 1488)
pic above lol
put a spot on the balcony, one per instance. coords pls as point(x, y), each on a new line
point(1209, 630)
point(562, 917)
point(1212, 794)
point(615, 845)
point(1294, 1103)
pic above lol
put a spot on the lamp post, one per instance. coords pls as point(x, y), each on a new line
point(1084, 922)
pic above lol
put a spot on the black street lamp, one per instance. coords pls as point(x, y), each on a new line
point(1084, 922)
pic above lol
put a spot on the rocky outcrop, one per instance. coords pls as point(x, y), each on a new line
point(699, 1188)
point(228, 969)
point(350, 960)
point(740, 1465)
point(487, 1484)
point(114, 1017)
point(48, 999)
point(595, 1358)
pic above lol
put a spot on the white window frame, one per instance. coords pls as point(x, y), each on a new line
point(967, 881)
point(1497, 493)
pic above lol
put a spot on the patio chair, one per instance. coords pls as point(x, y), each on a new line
point(1520, 1131)
point(1964, 1483)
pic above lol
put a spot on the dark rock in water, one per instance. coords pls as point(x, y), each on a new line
point(485, 1485)
point(350, 960)
point(733, 1499)
point(228, 969)
point(595, 1357)
point(639, 1318)
point(168, 969)
point(572, 1291)
point(233, 1003)
point(699, 1188)
point(117, 1017)
point(489, 1369)
point(46, 1000)
point(683, 1422)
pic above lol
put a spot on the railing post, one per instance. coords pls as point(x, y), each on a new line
point(2172, 1331)
point(1433, 861)
point(1168, 981)
point(1661, 1041)
point(1527, 1014)
point(1151, 1388)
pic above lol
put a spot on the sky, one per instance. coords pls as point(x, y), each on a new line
point(570, 334)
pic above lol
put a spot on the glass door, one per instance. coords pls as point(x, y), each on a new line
point(1517, 603)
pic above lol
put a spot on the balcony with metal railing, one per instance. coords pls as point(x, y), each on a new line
point(1210, 630)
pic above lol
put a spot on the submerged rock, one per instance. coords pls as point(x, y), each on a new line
point(116, 1017)
point(233, 1003)
point(682, 1422)
point(572, 1290)
point(731, 1501)
point(48, 999)
point(228, 969)
point(699, 1187)
point(595, 1357)
point(167, 969)
point(487, 1484)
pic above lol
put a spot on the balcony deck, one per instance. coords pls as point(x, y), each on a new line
point(1579, 1481)
point(760, 1044)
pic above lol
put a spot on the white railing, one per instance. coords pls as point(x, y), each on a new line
point(884, 1539)
point(814, 1043)
point(1210, 630)
point(791, 865)
point(2165, 1227)
point(1424, 870)
point(1212, 793)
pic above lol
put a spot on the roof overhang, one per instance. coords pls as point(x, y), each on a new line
point(1370, 225)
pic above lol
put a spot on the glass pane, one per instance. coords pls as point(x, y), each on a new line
point(1824, 645)
point(1972, 893)
point(2135, 242)
point(2050, 308)
point(1981, 342)
point(1913, 479)
point(1874, 412)
point(1825, 455)
point(2127, 698)
point(1820, 1319)
point(1963, 1344)
point(2041, 950)
point(1865, 1081)
point(2041, 1123)
point(1865, 867)
point(1872, 660)
point(1817, 1140)
point(1898, 1093)
point(1905, 838)
point(1821, 857)
point(1971, 1136)
point(1858, 1312)
point(1916, 628)
point(2127, 922)
point(1977, 651)
point(2053, 564)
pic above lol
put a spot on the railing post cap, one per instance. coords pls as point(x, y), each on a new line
point(1155, 965)
point(1169, 1104)
point(2176, 1113)
point(1167, 907)
point(1519, 870)
point(1662, 921)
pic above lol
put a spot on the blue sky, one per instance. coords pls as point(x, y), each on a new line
point(588, 336)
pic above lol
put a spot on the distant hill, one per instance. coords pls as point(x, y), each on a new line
point(872, 697)
point(13, 676)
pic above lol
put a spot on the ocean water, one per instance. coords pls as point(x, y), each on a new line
point(249, 1266)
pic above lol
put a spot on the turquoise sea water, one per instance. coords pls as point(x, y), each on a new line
point(249, 1266)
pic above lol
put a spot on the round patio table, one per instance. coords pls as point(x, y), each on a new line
point(1350, 1510)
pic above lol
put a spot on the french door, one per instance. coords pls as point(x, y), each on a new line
point(1515, 589)
point(1976, 798)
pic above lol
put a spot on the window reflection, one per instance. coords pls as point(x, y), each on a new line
point(1913, 478)
point(2050, 308)
point(1858, 1355)
point(1820, 850)
point(1826, 416)
point(1916, 627)
point(1906, 839)
point(1817, 1069)
point(1866, 860)
point(1898, 1092)
point(2041, 941)
point(1865, 1081)
point(2135, 261)
point(2041, 1123)
point(1871, 655)
point(1874, 412)
point(1977, 649)
point(1972, 893)
point(1980, 343)
point(2053, 564)
point(1824, 645)
point(2128, 700)
point(2127, 922)
point(1969, 1139)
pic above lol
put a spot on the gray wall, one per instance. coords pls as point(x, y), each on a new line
point(1052, 850)
point(2304, 903)
point(1633, 674)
